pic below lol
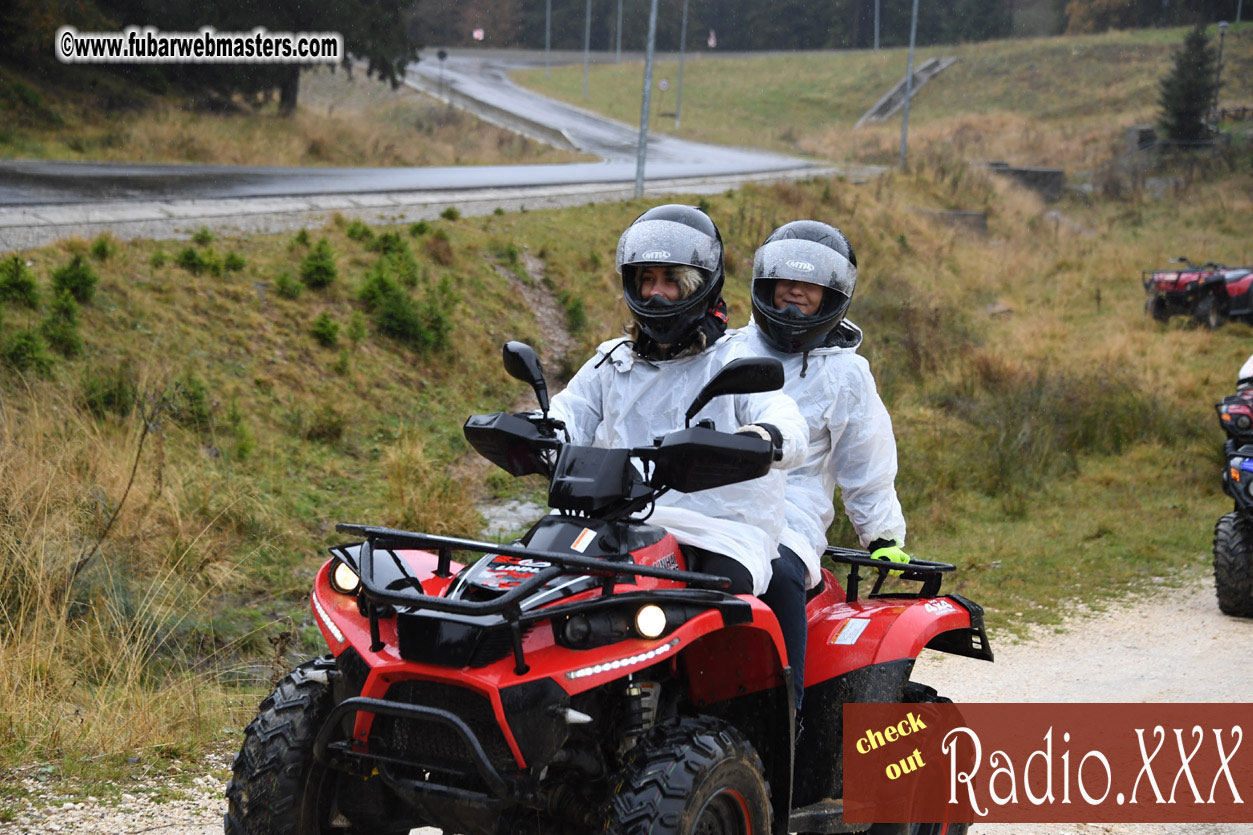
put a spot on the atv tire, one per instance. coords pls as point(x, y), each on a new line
point(1233, 565)
point(691, 777)
point(1159, 310)
point(277, 787)
point(1210, 312)
point(916, 693)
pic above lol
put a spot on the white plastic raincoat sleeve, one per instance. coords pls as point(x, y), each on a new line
point(579, 404)
point(1246, 371)
point(863, 457)
point(780, 411)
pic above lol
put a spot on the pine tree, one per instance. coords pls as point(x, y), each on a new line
point(1188, 89)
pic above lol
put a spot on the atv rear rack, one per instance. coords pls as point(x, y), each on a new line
point(930, 574)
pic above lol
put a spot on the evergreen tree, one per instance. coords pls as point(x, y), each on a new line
point(1188, 89)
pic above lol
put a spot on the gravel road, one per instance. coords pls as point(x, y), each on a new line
point(1173, 646)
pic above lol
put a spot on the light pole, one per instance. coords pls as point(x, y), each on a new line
point(909, 82)
point(642, 151)
point(876, 25)
point(619, 33)
point(678, 102)
point(548, 34)
point(1218, 76)
point(587, 44)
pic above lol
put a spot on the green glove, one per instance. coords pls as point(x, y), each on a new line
point(891, 553)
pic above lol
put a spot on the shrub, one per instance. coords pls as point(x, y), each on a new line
point(234, 262)
point(301, 238)
point(325, 330)
point(203, 236)
point(419, 229)
point(188, 401)
point(111, 391)
point(703, 205)
point(423, 326)
point(197, 261)
point(318, 268)
point(498, 211)
point(357, 330)
point(25, 350)
point(1187, 91)
point(288, 287)
point(17, 284)
point(451, 213)
point(103, 248)
point(157, 261)
point(341, 364)
point(388, 243)
point(60, 328)
point(359, 231)
point(326, 425)
point(576, 315)
point(439, 248)
point(78, 278)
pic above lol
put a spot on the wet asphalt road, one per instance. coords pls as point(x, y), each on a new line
point(480, 76)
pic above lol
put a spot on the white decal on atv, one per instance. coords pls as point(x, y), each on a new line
point(668, 561)
point(583, 540)
point(940, 606)
point(801, 266)
point(850, 632)
point(655, 255)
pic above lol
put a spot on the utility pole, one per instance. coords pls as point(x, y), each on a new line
point(619, 33)
point(678, 102)
point(548, 35)
point(909, 82)
point(1218, 76)
point(587, 44)
point(642, 152)
point(876, 25)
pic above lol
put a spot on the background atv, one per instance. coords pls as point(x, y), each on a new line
point(1210, 293)
point(580, 679)
point(1233, 534)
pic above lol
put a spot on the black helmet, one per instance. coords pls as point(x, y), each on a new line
point(809, 251)
point(672, 235)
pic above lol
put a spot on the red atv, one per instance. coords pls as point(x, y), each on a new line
point(1210, 293)
point(581, 679)
point(1233, 533)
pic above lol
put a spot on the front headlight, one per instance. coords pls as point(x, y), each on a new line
point(650, 621)
point(343, 579)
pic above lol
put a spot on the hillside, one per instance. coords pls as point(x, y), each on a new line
point(95, 115)
point(1060, 101)
point(207, 441)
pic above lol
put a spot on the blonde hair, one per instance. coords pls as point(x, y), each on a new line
point(688, 278)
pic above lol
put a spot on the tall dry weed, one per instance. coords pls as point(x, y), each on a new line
point(422, 497)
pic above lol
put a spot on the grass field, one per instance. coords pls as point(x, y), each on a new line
point(1042, 101)
point(168, 488)
point(339, 121)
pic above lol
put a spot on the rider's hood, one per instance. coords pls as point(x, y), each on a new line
point(845, 336)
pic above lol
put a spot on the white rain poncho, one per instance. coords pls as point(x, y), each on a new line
point(619, 400)
point(851, 446)
point(1246, 372)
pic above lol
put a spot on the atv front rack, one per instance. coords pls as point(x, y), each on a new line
point(930, 574)
point(377, 600)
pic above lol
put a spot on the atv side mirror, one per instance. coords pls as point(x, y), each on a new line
point(521, 363)
point(746, 375)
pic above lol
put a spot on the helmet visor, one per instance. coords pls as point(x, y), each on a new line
point(667, 242)
point(808, 261)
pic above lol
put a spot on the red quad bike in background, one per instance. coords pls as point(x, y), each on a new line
point(582, 680)
point(1233, 533)
point(1210, 293)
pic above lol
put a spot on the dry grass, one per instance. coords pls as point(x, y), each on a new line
point(340, 121)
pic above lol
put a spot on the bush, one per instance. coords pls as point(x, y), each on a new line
point(451, 213)
point(203, 236)
point(498, 211)
point(419, 229)
point(60, 328)
point(359, 231)
point(423, 326)
point(326, 425)
point(325, 330)
point(301, 238)
point(318, 269)
point(25, 350)
point(234, 262)
point(357, 330)
point(439, 248)
point(17, 283)
point(576, 315)
point(103, 248)
point(111, 391)
point(388, 243)
point(188, 402)
point(288, 287)
point(197, 261)
point(157, 261)
point(77, 278)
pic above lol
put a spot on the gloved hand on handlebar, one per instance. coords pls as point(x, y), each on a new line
point(547, 426)
point(766, 431)
point(890, 552)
